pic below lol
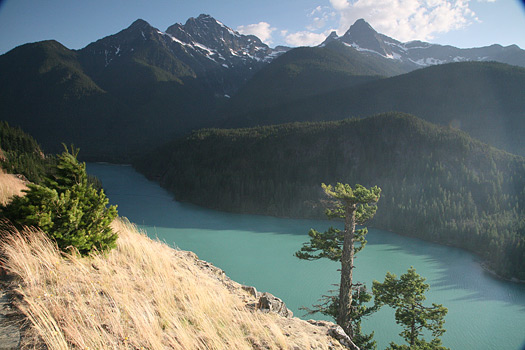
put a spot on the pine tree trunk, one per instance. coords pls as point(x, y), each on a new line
point(413, 327)
point(347, 265)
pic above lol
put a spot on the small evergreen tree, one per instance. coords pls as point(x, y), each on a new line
point(354, 206)
point(406, 295)
point(67, 208)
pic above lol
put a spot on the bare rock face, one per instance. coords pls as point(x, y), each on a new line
point(251, 290)
point(338, 333)
point(269, 303)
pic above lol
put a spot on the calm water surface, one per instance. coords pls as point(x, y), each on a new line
point(484, 312)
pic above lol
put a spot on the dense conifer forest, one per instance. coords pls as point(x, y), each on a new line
point(437, 183)
point(22, 154)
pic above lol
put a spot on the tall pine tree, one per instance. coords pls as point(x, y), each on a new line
point(355, 206)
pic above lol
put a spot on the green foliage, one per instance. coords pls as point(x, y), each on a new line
point(67, 208)
point(322, 245)
point(419, 344)
point(347, 196)
point(22, 154)
point(348, 202)
point(329, 243)
point(406, 295)
point(437, 183)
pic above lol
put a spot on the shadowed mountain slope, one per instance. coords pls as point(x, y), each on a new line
point(484, 99)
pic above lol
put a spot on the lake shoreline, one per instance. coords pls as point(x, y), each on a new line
point(494, 274)
point(484, 265)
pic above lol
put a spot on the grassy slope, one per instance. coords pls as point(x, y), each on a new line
point(10, 186)
point(142, 295)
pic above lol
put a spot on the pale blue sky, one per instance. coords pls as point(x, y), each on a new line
point(76, 23)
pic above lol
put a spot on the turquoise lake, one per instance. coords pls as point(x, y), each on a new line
point(483, 312)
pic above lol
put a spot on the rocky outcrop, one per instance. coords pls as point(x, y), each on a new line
point(251, 290)
point(270, 303)
point(338, 333)
point(335, 331)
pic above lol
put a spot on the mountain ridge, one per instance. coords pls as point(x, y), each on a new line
point(417, 54)
point(129, 92)
point(484, 99)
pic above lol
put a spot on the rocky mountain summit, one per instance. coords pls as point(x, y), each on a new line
point(220, 41)
point(203, 48)
point(417, 54)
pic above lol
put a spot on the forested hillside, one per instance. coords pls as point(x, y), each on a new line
point(44, 90)
point(484, 99)
point(438, 183)
point(127, 93)
point(21, 154)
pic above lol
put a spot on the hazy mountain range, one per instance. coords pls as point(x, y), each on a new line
point(132, 91)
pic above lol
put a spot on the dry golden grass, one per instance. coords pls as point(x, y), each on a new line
point(10, 186)
point(141, 295)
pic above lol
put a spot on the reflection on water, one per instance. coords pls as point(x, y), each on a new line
point(484, 312)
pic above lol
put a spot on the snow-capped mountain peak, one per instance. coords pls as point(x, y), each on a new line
point(416, 54)
point(333, 36)
point(208, 32)
point(363, 37)
point(202, 47)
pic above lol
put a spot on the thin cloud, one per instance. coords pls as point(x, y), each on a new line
point(406, 19)
point(305, 38)
point(262, 30)
point(320, 17)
